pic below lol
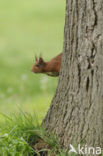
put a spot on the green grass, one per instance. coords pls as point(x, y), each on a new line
point(28, 28)
point(20, 135)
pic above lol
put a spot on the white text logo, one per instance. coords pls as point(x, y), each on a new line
point(85, 150)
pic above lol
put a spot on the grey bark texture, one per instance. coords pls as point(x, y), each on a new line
point(76, 111)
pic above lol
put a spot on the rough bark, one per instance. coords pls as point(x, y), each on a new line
point(76, 111)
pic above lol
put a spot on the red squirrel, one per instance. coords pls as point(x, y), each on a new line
point(50, 68)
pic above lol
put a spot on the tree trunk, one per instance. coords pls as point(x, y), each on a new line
point(76, 111)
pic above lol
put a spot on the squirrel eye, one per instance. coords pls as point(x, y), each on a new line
point(37, 65)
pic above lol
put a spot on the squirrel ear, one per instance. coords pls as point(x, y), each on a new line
point(41, 60)
point(36, 59)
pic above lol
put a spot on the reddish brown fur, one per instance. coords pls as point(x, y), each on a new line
point(53, 66)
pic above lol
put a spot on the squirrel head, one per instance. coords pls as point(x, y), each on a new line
point(39, 65)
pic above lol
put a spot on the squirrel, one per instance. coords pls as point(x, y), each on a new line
point(51, 68)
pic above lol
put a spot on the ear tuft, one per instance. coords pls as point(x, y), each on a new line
point(36, 59)
point(41, 60)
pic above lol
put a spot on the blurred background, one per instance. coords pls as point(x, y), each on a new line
point(27, 28)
